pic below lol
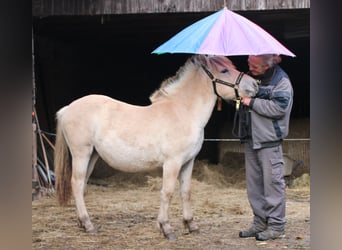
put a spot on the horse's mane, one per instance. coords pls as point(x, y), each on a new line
point(211, 62)
point(169, 82)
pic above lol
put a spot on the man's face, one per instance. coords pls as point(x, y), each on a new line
point(256, 66)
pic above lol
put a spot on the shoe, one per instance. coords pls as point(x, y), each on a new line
point(251, 232)
point(269, 234)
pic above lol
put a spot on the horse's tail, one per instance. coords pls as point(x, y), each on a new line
point(63, 167)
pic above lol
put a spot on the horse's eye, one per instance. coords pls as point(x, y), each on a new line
point(224, 71)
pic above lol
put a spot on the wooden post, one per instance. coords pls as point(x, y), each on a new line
point(35, 178)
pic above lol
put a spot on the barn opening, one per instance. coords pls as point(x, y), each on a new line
point(111, 55)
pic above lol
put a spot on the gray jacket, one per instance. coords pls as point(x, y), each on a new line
point(270, 110)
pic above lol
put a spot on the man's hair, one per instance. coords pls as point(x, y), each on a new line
point(270, 59)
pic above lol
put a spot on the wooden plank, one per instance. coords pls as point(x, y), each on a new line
point(103, 7)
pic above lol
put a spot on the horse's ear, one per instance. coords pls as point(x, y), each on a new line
point(201, 59)
point(193, 59)
point(223, 62)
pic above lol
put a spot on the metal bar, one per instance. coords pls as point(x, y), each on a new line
point(43, 149)
point(237, 140)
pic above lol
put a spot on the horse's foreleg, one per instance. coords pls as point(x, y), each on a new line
point(79, 172)
point(170, 173)
point(185, 194)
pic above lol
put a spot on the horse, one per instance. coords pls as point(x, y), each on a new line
point(167, 133)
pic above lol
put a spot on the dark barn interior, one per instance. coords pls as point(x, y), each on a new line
point(111, 55)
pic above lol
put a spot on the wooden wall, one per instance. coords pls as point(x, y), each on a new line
point(103, 7)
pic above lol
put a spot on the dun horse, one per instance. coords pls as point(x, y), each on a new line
point(168, 133)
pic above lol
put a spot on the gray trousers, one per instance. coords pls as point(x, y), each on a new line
point(266, 189)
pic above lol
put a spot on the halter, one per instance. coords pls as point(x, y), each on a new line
point(241, 113)
point(235, 85)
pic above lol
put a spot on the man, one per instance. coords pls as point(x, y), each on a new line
point(269, 119)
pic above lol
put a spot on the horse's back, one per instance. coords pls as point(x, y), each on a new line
point(88, 102)
point(80, 118)
point(85, 109)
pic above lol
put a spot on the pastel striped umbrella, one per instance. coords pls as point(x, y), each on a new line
point(223, 33)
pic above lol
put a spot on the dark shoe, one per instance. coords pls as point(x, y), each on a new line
point(251, 232)
point(269, 234)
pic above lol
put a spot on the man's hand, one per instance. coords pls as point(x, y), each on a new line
point(246, 101)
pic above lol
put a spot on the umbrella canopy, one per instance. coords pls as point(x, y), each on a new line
point(223, 33)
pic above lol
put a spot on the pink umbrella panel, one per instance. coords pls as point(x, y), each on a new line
point(224, 33)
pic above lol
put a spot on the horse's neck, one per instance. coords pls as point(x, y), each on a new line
point(197, 98)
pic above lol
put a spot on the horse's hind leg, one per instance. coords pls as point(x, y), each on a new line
point(79, 173)
point(93, 159)
point(185, 187)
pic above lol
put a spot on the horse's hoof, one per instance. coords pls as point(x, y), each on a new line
point(93, 230)
point(167, 231)
point(191, 226)
point(171, 236)
point(194, 229)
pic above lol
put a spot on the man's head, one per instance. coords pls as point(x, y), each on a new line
point(260, 63)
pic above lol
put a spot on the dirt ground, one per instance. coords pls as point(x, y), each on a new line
point(125, 208)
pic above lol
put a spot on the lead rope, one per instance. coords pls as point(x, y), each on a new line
point(241, 123)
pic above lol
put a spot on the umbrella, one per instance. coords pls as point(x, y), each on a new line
point(223, 33)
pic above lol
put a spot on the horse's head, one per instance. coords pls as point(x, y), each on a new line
point(228, 82)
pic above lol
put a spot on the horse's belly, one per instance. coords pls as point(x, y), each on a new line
point(134, 166)
point(130, 160)
point(142, 151)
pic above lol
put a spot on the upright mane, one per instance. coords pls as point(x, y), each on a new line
point(209, 61)
point(170, 82)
